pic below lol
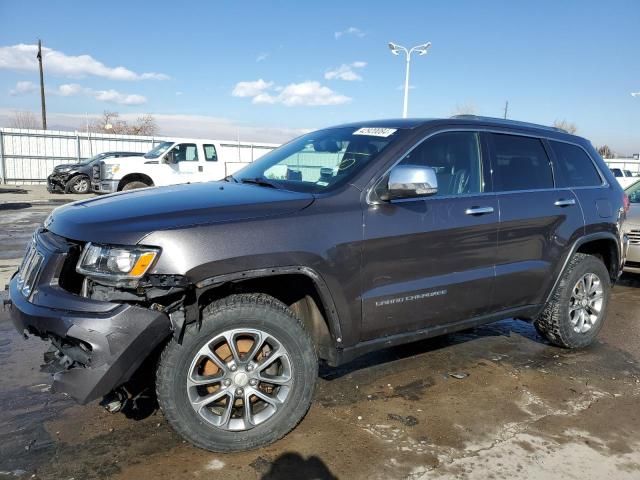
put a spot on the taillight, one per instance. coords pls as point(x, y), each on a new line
point(625, 202)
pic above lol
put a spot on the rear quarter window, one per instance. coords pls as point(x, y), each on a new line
point(574, 167)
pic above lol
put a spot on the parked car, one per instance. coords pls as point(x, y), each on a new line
point(624, 177)
point(344, 241)
point(175, 162)
point(632, 228)
point(76, 177)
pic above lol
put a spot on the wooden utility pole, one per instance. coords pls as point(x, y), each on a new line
point(44, 108)
point(506, 108)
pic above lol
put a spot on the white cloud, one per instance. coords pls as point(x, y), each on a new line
point(179, 93)
point(109, 96)
point(309, 93)
point(635, 94)
point(176, 125)
point(401, 87)
point(345, 72)
point(250, 89)
point(355, 31)
point(262, 57)
point(22, 57)
point(23, 88)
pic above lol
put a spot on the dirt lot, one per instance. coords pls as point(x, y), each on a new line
point(495, 402)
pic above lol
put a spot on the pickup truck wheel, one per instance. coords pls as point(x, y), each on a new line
point(578, 307)
point(242, 378)
point(134, 185)
point(78, 184)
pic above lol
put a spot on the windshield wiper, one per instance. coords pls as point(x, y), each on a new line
point(263, 182)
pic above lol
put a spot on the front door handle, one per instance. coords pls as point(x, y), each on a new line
point(565, 202)
point(478, 210)
point(199, 168)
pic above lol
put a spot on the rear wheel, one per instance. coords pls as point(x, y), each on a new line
point(242, 379)
point(577, 309)
point(78, 184)
point(134, 185)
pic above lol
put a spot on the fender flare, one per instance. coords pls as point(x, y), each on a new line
point(326, 298)
point(581, 241)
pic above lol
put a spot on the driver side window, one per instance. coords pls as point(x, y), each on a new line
point(456, 159)
point(185, 152)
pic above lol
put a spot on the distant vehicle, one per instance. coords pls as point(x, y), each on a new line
point(344, 241)
point(76, 177)
point(175, 162)
point(632, 228)
point(624, 177)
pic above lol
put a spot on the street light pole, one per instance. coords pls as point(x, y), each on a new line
point(421, 50)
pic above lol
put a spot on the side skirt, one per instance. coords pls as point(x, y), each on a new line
point(345, 355)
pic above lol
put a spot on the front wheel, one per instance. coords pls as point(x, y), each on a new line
point(241, 379)
point(78, 184)
point(134, 185)
point(575, 314)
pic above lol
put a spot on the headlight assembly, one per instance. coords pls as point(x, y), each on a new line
point(115, 265)
point(111, 169)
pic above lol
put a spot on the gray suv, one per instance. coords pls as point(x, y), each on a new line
point(341, 242)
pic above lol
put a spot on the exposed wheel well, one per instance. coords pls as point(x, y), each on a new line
point(297, 291)
point(606, 250)
point(135, 177)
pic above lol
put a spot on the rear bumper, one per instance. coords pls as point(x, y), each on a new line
point(95, 351)
point(104, 186)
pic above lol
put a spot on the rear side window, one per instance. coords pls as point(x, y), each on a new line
point(574, 166)
point(616, 172)
point(210, 154)
point(519, 163)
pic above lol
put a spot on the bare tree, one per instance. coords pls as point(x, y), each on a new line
point(145, 125)
point(23, 119)
point(566, 126)
point(110, 122)
point(465, 109)
point(605, 151)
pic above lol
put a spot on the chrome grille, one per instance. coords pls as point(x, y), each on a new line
point(29, 270)
point(95, 171)
point(634, 237)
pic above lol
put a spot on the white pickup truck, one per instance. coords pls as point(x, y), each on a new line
point(176, 161)
point(624, 177)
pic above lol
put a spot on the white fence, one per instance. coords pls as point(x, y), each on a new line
point(28, 156)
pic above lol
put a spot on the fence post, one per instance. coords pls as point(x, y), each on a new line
point(78, 146)
point(3, 178)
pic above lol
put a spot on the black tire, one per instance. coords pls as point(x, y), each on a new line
point(79, 184)
point(134, 185)
point(250, 311)
point(554, 323)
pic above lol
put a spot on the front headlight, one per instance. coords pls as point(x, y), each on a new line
point(111, 169)
point(116, 265)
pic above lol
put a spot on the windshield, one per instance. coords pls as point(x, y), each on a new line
point(633, 192)
point(158, 150)
point(319, 161)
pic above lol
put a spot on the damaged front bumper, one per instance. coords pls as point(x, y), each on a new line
point(97, 345)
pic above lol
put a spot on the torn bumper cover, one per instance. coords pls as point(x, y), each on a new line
point(96, 350)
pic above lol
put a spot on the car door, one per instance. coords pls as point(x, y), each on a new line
point(538, 220)
point(430, 261)
point(181, 165)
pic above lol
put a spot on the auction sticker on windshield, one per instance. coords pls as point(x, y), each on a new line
point(375, 132)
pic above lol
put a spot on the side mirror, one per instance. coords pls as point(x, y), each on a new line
point(411, 181)
point(168, 158)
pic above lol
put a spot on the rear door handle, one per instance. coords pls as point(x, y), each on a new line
point(199, 168)
point(565, 202)
point(478, 210)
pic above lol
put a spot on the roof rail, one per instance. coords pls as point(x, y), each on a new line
point(509, 122)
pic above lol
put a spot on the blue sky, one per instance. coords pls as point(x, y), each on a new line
point(323, 63)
